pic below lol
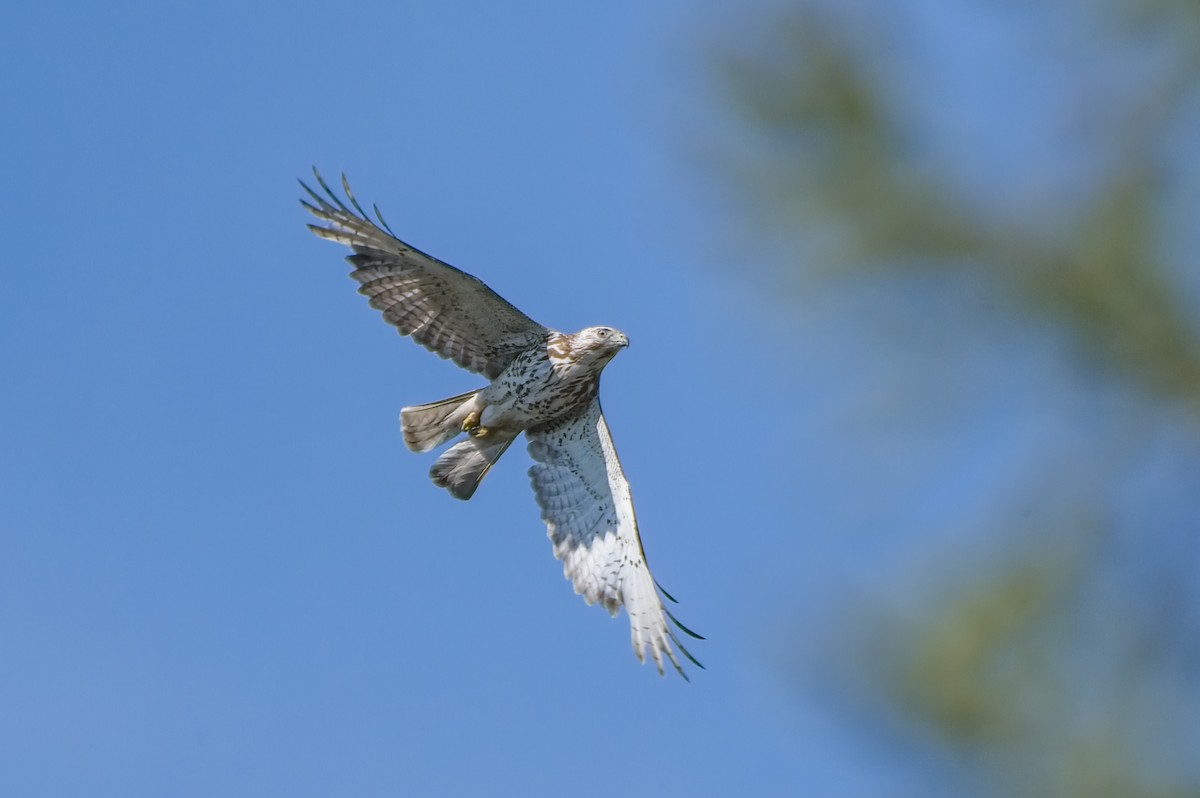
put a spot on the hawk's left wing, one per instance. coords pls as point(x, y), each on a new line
point(589, 517)
point(447, 311)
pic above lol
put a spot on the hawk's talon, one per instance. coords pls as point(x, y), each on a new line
point(540, 381)
point(471, 425)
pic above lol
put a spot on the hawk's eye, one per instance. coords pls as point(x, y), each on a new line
point(602, 333)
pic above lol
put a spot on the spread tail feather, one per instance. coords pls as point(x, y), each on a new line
point(464, 464)
point(428, 426)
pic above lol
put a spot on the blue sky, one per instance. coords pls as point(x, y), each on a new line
point(223, 573)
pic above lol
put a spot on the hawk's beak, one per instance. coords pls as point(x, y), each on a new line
point(623, 339)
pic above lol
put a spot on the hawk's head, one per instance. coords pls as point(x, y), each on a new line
point(597, 345)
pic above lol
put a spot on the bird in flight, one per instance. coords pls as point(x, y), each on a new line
point(541, 382)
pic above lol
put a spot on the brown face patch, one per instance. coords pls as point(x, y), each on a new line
point(559, 346)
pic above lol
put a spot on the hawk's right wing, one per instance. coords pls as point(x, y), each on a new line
point(447, 311)
point(589, 517)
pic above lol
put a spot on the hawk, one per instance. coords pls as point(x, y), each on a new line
point(541, 382)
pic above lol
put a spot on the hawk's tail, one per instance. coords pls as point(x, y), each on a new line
point(464, 464)
point(428, 426)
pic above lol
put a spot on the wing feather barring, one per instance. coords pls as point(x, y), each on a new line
point(542, 383)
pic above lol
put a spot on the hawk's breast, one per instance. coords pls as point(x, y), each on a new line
point(537, 388)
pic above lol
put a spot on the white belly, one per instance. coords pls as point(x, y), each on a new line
point(533, 391)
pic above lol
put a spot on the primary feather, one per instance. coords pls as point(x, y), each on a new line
point(445, 310)
point(543, 383)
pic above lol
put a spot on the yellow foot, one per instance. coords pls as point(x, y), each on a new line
point(471, 426)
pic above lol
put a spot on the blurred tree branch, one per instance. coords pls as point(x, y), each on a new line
point(996, 668)
point(836, 157)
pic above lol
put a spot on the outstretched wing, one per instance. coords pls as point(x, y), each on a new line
point(447, 311)
point(589, 516)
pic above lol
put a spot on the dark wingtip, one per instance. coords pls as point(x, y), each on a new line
point(329, 205)
point(685, 630)
point(682, 628)
point(308, 190)
point(382, 221)
point(353, 199)
point(688, 654)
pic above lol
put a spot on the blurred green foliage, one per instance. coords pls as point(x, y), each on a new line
point(838, 157)
point(1036, 686)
